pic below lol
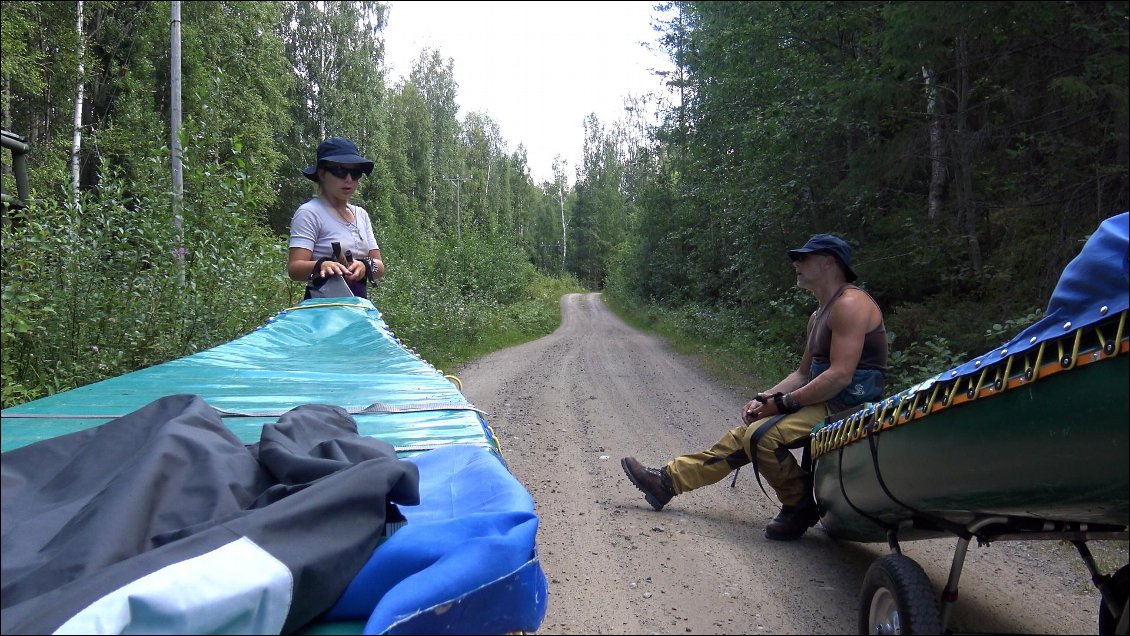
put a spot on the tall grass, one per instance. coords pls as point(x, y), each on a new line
point(725, 343)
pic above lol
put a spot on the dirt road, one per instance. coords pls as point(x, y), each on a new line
point(567, 407)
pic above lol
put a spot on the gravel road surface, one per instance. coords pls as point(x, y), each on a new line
point(567, 407)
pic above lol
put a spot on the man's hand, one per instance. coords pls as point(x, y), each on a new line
point(758, 408)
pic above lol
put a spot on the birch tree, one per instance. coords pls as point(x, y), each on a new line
point(76, 137)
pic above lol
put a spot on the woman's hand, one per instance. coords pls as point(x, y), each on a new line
point(355, 271)
point(334, 268)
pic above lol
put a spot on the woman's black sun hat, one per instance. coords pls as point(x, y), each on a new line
point(338, 150)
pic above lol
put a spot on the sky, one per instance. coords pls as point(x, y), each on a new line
point(536, 68)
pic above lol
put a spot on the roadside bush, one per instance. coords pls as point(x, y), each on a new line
point(94, 291)
point(449, 299)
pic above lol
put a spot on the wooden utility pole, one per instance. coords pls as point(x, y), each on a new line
point(458, 181)
point(175, 125)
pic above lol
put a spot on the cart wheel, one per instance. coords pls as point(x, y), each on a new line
point(1117, 594)
point(898, 598)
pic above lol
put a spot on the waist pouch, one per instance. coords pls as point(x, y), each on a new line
point(867, 385)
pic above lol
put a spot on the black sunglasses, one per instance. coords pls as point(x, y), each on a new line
point(799, 258)
point(341, 171)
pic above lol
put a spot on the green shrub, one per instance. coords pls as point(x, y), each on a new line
point(95, 291)
point(450, 300)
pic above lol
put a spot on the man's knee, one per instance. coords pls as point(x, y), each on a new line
point(762, 439)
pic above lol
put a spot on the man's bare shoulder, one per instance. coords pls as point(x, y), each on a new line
point(853, 297)
point(853, 305)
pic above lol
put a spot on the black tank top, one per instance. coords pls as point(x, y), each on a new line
point(874, 354)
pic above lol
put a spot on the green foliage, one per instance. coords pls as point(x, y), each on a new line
point(803, 117)
point(919, 361)
point(964, 194)
point(94, 292)
point(452, 300)
point(601, 212)
point(263, 83)
point(20, 61)
point(1003, 331)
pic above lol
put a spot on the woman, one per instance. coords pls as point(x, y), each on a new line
point(329, 218)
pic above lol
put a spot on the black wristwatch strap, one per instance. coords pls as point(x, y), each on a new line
point(779, 402)
point(785, 403)
point(316, 273)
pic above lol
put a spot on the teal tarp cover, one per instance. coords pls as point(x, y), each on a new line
point(465, 561)
point(325, 351)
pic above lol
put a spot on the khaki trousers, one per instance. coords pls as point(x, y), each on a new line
point(776, 464)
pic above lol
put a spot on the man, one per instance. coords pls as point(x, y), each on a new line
point(843, 365)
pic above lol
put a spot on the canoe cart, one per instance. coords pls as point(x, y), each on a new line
point(313, 476)
point(1026, 442)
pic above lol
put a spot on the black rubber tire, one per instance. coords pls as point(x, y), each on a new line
point(1119, 593)
point(897, 598)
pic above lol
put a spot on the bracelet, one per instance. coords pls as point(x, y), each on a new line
point(791, 404)
point(371, 270)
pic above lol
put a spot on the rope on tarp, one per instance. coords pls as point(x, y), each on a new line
point(376, 407)
point(372, 409)
point(316, 305)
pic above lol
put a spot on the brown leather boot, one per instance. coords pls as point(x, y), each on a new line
point(655, 483)
point(793, 521)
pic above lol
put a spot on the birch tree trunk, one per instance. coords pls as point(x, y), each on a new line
point(76, 138)
point(486, 189)
point(937, 154)
point(963, 140)
point(564, 233)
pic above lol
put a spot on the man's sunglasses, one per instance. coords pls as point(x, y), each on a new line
point(341, 171)
point(799, 258)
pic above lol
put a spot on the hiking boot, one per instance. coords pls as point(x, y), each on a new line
point(793, 521)
point(655, 483)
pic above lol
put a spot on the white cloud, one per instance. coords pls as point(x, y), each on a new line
point(536, 68)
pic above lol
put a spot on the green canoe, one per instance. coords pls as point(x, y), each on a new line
point(1032, 453)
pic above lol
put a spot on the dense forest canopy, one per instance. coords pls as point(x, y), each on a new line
point(966, 149)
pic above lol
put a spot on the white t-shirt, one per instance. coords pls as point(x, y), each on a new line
point(315, 226)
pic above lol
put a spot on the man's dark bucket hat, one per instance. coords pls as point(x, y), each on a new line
point(828, 244)
point(337, 150)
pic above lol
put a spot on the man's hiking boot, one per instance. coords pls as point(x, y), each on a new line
point(655, 483)
point(793, 521)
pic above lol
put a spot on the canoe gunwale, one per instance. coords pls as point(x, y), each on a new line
point(1011, 468)
point(939, 394)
